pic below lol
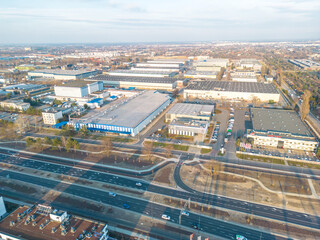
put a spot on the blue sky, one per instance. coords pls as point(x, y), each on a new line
point(101, 21)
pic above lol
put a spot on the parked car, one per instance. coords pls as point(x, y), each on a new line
point(138, 184)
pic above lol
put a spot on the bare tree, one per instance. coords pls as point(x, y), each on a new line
point(305, 106)
point(107, 146)
point(148, 150)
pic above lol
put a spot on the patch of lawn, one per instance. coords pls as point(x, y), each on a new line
point(205, 150)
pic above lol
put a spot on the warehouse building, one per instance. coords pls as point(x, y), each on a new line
point(249, 64)
point(244, 78)
point(169, 61)
point(201, 112)
point(129, 117)
point(201, 75)
point(213, 62)
point(280, 129)
point(135, 73)
point(59, 74)
point(78, 89)
point(306, 64)
point(189, 119)
point(165, 83)
point(160, 65)
point(234, 91)
point(155, 69)
point(15, 104)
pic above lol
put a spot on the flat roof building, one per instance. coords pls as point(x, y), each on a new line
point(140, 82)
point(280, 128)
point(200, 74)
point(218, 62)
point(41, 222)
point(15, 104)
point(129, 117)
point(190, 111)
point(51, 117)
point(78, 89)
point(228, 90)
point(189, 127)
point(306, 64)
point(135, 73)
point(59, 74)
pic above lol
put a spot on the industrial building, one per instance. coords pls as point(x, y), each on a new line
point(244, 78)
point(200, 75)
point(44, 222)
point(169, 61)
point(189, 119)
point(15, 104)
point(306, 64)
point(249, 64)
point(159, 64)
point(201, 112)
point(59, 74)
point(165, 83)
point(155, 69)
point(212, 62)
point(281, 129)
point(129, 117)
point(78, 89)
point(29, 88)
point(234, 91)
point(187, 127)
point(135, 73)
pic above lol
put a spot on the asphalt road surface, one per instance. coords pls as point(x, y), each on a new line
point(214, 200)
point(209, 225)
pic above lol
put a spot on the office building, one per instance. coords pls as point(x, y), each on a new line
point(59, 74)
point(280, 129)
point(130, 116)
point(51, 117)
point(234, 91)
point(188, 127)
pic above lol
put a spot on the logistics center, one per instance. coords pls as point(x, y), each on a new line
point(129, 117)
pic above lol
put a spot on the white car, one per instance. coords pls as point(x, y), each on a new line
point(240, 237)
point(138, 184)
point(112, 194)
point(165, 217)
point(185, 213)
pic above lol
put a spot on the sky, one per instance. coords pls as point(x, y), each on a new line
point(114, 21)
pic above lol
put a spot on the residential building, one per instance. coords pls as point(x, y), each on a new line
point(51, 117)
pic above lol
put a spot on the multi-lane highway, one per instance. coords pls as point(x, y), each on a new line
point(206, 224)
point(188, 193)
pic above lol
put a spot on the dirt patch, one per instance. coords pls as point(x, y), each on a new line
point(165, 175)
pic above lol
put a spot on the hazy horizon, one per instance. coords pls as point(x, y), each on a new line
point(124, 21)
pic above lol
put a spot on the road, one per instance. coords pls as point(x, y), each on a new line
point(185, 194)
point(225, 159)
point(207, 224)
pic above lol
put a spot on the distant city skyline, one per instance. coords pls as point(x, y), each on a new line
point(119, 21)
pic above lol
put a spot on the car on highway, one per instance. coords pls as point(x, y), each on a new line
point(138, 184)
point(112, 194)
point(185, 213)
point(240, 237)
point(126, 206)
point(196, 226)
point(166, 217)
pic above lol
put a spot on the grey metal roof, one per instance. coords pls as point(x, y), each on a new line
point(278, 120)
point(77, 83)
point(229, 86)
point(134, 79)
point(63, 72)
point(134, 111)
point(190, 109)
